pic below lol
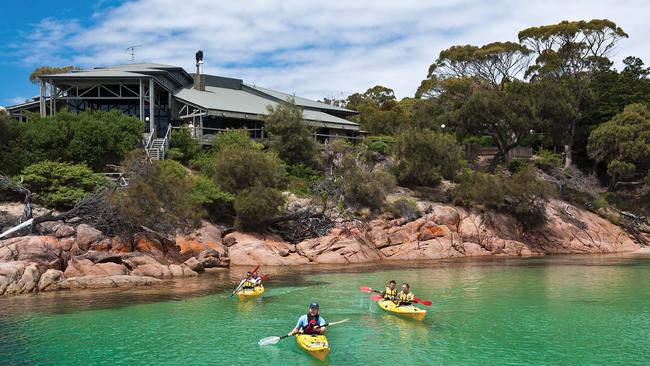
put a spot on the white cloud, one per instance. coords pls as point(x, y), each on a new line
point(314, 48)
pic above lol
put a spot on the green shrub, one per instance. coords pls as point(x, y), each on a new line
point(93, 138)
point(424, 157)
point(515, 166)
point(185, 148)
point(203, 162)
point(523, 195)
point(217, 204)
point(256, 205)
point(60, 184)
point(364, 188)
point(159, 196)
point(238, 168)
point(301, 179)
point(485, 141)
point(235, 137)
point(289, 136)
point(476, 188)
point(378, 147)
point(406, 208)
point(548, 160)
point(599, 203)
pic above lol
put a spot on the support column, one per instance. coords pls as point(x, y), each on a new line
point(52, 99)
point(41, 99)
point(141, 100)
point(152, 102)
point(200, 134)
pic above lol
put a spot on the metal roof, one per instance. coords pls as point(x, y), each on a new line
point(241, 101)
point(303, 102)
point(99, 73)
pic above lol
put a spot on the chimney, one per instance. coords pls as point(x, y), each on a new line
point(198, 79)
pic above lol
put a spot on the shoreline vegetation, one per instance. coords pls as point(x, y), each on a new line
point(440, 175)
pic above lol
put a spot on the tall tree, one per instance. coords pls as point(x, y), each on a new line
point(492, 65)
point(623, 144)
point(290, 136)
point(571, 52)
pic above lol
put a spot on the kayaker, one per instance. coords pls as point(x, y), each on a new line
point(390, 293)
point(249, 282)
point(257, 280)
point(310, 323)
point(405, 297)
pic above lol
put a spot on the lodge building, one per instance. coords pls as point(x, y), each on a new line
point(163, 96)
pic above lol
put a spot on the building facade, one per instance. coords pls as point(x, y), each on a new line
point(163, 96)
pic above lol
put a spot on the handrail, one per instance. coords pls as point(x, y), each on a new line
point(166, 141)
point(149, 141)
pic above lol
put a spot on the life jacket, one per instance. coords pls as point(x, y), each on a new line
point(248, 283)
point(405, 298)
point(390, 294)
point(312, 321)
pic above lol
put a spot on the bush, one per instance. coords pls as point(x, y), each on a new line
point(522, 195)
point(364, 188)
point(217, 204)
point(239, 137)
point(302, 178)
point(548, 160)
point(485, 141)
point(600, 202)
point(239, 168)
point(515, 166)
point(378, 147)
point(182, 146)
point(476, 188)
point(60, 184)
point(406, 208)
point(256, 205)
point(289, 135)
point(93, 138)
point(160, 196)
point(424, 157)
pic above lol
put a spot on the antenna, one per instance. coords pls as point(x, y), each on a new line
point(132, 51)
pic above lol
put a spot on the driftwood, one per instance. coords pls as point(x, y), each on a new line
point(302, 225)
point(94, 210)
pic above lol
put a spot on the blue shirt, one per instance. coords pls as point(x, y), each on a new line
point(302, 322)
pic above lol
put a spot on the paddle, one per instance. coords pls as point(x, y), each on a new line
point(264, 277)
point(242, 282)
point(376, 297)
point(275, 339)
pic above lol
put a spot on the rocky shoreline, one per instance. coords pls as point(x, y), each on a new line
point(80, 257)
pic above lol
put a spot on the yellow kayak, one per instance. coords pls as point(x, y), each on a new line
point(314, 344)
point(257, 291)
point(408, 311)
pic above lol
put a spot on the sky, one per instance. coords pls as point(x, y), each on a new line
point(312, 48)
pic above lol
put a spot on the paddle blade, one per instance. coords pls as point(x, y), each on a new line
point(268, 340)
point(338, 322)
point(423, 302)
point(365, 289)
point(264, 277)
point(375, 297)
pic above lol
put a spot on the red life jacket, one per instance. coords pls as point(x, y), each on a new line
point(312, 321)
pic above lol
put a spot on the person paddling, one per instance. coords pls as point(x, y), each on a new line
point(257, 280)
point(405, 297)
point(390, 293)
point(249, 282)
point(310, 323)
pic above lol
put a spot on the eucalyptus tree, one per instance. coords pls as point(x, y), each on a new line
point(571, 52)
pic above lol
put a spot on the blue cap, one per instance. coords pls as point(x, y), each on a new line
point(313, 305)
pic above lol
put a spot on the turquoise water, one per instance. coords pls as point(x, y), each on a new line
point(542, 311)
